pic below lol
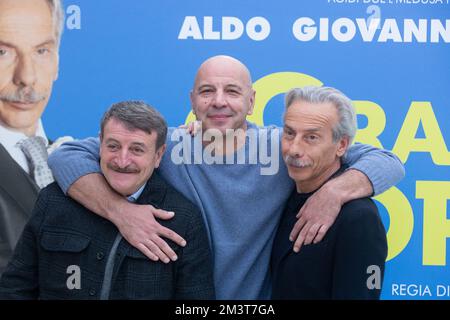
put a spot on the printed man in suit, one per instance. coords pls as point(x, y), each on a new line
point(30, 32)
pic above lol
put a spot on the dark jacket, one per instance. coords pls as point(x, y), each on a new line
point(18, 194)
point(62, 233)
point(338, 267)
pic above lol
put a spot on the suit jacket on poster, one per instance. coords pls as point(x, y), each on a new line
point(62, 234)
point(18, 194)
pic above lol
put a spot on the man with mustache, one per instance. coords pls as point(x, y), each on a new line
point(319, 126)
point(30, 32)
point(62, 235)
point(241, 206)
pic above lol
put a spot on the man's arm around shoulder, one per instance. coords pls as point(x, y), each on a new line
point(75, 166)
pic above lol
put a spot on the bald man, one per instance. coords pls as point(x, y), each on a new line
point(240, 203)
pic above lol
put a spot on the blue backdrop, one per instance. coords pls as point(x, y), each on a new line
point(397, 73)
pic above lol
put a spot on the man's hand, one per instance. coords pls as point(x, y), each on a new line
point(321, 210)
point(315, 217)
point(193, 127)
point(140, 228)
point(136, 223)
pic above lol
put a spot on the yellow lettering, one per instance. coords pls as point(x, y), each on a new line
point(436, 226)
point(376, 122)
point(421, 112)
point(401, 220)
point(269, 86)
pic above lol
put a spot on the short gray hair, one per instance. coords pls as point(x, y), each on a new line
point(346, 112)
point(57, 10)
point(137, 115)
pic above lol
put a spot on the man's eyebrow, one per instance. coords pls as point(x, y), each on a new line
point(204, 86)
point(309, 130)
point(6, 44)
point(111, 140)
point(313, 130)
point(234, 86)
point(47, 42)
point(138, 144)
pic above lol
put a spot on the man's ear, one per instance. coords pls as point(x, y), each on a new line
point(100, 137)
point(159, 155)
point(252, 102)
point(191, 97)
point(57, 68)
point(343, 145)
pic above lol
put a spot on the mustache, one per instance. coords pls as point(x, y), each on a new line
point(127, 169)
point(23, 95)
point(295, 162)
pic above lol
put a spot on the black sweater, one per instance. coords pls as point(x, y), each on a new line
point(336, 267)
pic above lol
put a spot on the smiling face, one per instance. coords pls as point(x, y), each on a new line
point(222, 96)
point(307, 144)
point(28, 62)
point(128, 157)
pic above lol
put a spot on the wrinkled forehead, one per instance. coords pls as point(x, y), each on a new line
point(31, 18)
point(121, 130)
point(305, 114)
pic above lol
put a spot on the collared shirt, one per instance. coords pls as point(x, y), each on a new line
point(9, 139)
point(136, 195)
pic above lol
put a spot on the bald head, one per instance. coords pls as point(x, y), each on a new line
point(222, 65)
point(222, 96)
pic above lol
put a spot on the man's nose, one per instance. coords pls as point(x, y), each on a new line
point(25, 73)
point(220, 100)
point(296, 148)
point(123, 159)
